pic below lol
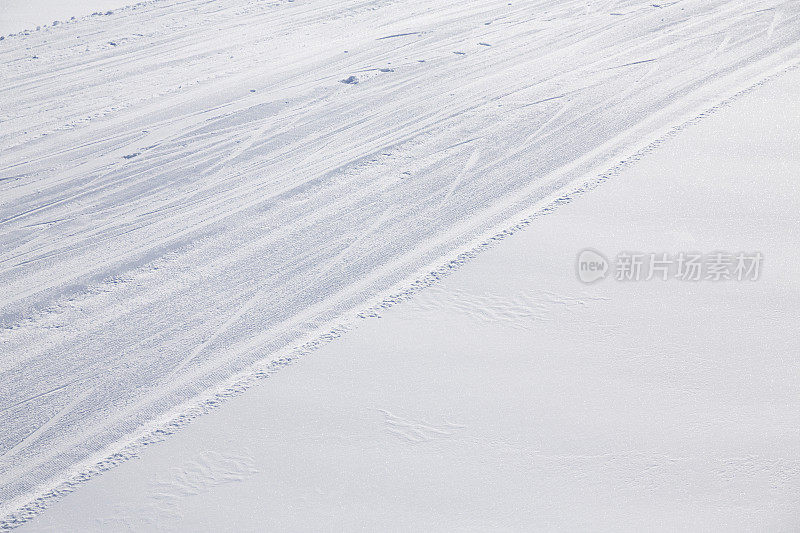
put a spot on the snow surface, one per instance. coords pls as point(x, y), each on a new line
point(188, 189)
point(512, 397)
point(22, 15)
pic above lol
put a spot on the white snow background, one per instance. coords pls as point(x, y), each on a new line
point(21, 15)
point(194, 192)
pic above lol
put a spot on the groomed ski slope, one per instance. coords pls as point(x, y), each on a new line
point(529, 401)
point(190, 188)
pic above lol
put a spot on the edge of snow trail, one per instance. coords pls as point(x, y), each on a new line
point(184, 414)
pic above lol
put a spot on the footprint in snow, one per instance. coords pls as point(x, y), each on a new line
point(418, 431)
point(351, 80)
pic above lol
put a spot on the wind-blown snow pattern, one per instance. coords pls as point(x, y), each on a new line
point(190, 187)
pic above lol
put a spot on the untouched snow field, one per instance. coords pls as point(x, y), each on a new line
point(193, 190)
point(510, 396)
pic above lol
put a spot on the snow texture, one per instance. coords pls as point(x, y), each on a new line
point(188, 193)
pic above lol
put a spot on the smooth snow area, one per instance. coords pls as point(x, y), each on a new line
point(191, 190)
point(511, 397)
point(20, 15)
